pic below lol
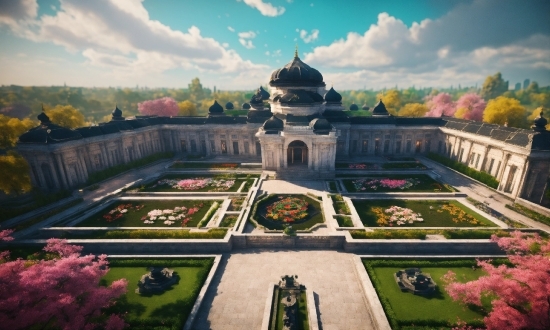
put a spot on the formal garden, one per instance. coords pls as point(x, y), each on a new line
point(395, 183)
point(200, 183)
point(405, 310)
point(418, 213)
point(158, 310)
point(152, 213)
point(276, 211)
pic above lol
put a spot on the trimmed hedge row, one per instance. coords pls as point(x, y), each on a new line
point(215, 233)
point(529, 213)
point(117, 169)
point(464, 169)
point(421, 234)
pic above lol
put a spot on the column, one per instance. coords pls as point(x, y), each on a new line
point(62, 172)
point(521, 181)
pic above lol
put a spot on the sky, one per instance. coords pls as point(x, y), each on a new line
point(236, 44)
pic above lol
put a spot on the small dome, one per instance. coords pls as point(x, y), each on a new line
point(353, 107)
point(320, 125)
point(117, 114)
point(380, 109)
point(265, 95)
point(333, 96)
point(273, 124)
point(44, 119)
point(229, 106)
point(540, 123)
point(257, 98)
point(246, 106)
point(296, 73)
point(365, 107)
point(215, 108)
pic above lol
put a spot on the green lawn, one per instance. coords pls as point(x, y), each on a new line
point(168, 310)
point(315, 213)
point(425, 184)
point(133, 217)
point(358, 113)
point(432, 217)
point(228, 221)
point(409, 309)
point(162, 186)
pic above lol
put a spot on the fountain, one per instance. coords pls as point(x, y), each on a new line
point(157, 281)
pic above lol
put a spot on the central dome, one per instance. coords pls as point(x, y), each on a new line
point(296, 73)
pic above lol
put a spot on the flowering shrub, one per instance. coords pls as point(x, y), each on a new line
point(374, 184)
point(396, 215)
point(119, 211)
point(171, 216)
point(362, 166)
point(197, 183)
point(288, 209)
point(459, 215)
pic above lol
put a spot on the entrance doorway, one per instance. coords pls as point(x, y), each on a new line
point(297, 153)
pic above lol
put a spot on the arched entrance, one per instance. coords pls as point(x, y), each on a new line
point(297, 154)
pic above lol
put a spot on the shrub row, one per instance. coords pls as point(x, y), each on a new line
point(421, 234)
point(117, 169)
point(130, 262)
point(344, 221)
point(208, 214)
point(529, 213)
point(215, 233)
point(464, 169)
point(39, 199)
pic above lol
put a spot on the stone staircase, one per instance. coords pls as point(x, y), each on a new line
point(298, 174)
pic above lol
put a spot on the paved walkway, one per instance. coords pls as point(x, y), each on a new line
point(293, 187)
point(481, 193)
point(237, 296)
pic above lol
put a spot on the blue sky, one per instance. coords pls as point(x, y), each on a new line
point(237, 44)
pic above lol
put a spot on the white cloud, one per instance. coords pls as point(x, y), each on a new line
point(119, 34)
point(267, 53)
point(470, 42)
point(247, 43)
point(245, 39)
point(231, 29)
point(18, 15)
point(309, 37)
point(265, 8)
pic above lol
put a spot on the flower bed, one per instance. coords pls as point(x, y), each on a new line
point(404, 166)
point(203, 183)
point(276, 211)
point(357, 166)
point(382, 213)
point(395, 183)
point(149, 213)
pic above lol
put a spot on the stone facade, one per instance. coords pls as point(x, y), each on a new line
point(302, 136)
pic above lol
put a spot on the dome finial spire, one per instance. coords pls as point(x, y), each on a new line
point(296, 51)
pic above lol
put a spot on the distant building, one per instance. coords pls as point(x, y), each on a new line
point(526, 83)
point(518, 87)
point(301, 135)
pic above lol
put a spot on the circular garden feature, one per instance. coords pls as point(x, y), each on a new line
point(276, 211)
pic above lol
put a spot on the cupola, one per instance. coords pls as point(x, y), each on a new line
point(215, 109)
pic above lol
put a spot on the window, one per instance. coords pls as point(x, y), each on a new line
point(354, 146)
point(234, 137)
point(477, 160)
point(222, 136)
point(439, 147)
point(460, 154)
point(97, 161)
point(398, 147)
point(246, 148)
point(235, 147)
point(376, 146)
point(203, 147)
point(428, 144)
point(498, 168)
point(183, 146)
point(212, 146)
point(386, 146)
point(365, 146)
point(193, 146)
point(340, 147)
point(408, 145)
point(510, 180)
point(223, 147)
point(472, 157)
point(418, 146)
point(491, 165)
point(258, 148)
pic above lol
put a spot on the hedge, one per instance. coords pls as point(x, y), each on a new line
point(216, 233)
point(464, 169)
point(421, 234)
point(117, 169)
point(529, 213)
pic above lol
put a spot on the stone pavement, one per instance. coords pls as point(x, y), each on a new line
point(238, 293)
point(293, 187)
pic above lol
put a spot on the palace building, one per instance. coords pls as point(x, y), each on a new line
point(301, 134)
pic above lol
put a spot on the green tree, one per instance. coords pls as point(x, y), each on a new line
point(196, 90)
point(413, 110)
point(14, 176)
point(66, 116)
point(494, 86)
point(505, 110)
point(187, 108)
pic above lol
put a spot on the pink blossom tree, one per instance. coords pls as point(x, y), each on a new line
point(63, 292)
point(164, 107)
point(519, 295)
point(470, 106)
point(440, 105)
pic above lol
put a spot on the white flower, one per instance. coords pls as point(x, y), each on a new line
point(167, 211)
point(153, 218)
point(168, 222)
point(123, 211)
point(171, 218)
point(162, 218)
